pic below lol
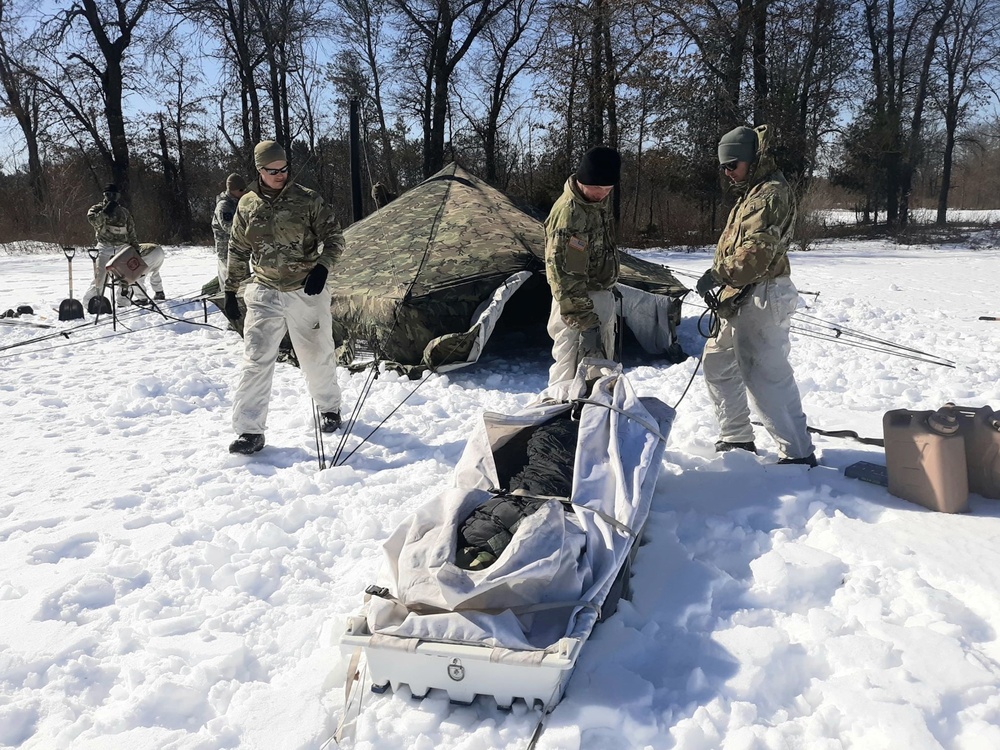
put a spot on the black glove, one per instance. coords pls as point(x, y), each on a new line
point(315, 280)
point(109, 207)
point(707, 283)
point(591, 344)
point(232, 307)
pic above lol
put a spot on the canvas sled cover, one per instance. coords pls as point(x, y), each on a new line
point(427, 279)
point(551, 580)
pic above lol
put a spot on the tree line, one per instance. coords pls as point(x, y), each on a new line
point(875, 104)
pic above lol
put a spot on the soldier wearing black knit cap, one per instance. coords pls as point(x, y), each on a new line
point(581, 264)
point(114, 230)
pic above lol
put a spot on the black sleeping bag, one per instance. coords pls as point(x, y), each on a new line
point(547, 471)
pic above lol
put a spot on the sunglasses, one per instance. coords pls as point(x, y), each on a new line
point(729, 166)
point(273, 172)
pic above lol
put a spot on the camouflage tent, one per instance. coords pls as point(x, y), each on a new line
point(427, 279)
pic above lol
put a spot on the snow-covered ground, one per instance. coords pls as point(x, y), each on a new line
point(838, 216)
point(157, 592)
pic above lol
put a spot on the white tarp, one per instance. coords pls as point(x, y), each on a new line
point(555, 556)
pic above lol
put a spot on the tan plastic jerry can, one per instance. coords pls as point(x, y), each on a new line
point(981, 428)
point(925, 458)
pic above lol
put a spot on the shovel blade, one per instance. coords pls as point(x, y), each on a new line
point(70, 309)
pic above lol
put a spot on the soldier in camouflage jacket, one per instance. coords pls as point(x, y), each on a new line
point(114, 230)
point(222, 221)
point(750, 352)
point(581, 264)
point(291, 239)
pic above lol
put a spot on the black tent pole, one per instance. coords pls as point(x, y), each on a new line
point(356, 205)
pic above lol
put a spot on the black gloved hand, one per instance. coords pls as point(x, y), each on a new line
point(591, 344)
point(315, 280)
point(707, 283)
point(232, 307)
point(109, 207)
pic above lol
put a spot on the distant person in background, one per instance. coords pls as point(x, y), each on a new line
point(750, 352)
point(114, 230)
point(581, 264)
point(291, 238)
point(222, 220)
point(382, 195)
point(152, 256)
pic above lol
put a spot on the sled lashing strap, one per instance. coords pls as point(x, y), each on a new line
point(522, 609)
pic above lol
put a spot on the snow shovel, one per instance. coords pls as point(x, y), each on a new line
point(70, 309)
point(99, 305)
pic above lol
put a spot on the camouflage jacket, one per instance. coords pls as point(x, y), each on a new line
point(580, 254)
point(754, 244)
point(222, 221)
point(114, 229)
point(282, 237)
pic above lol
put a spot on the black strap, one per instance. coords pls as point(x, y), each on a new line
point(851, 434)
point(429, 609)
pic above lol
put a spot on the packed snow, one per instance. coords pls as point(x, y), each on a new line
point(158, 592)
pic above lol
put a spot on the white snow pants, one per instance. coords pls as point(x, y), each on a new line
point(154, 261)
point(750, 354)
point(566, 340)
point(101, 274)
point(310, 325)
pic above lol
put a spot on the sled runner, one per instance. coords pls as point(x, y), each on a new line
point(507, 613)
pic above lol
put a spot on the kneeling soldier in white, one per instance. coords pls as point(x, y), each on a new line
point(292, 239)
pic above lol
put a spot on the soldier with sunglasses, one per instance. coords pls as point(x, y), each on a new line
point(750, 352)
point(290, 238)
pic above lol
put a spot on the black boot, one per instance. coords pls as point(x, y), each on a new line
point(159, 296)
point(722, 446)
point(809, 461)
point(247, 443)
point(329, 421)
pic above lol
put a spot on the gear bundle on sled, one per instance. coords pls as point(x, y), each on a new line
point(507, 613)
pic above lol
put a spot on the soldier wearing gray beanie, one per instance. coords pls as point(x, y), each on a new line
point(739, 144)
point(748, 356)
point(283, 244)
point(266, 152)
point(235, 182)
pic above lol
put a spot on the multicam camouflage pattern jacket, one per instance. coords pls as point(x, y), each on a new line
point(114, 229)
point(283, 237)
point(754, 244)
point(580, 254)
point(222, 220)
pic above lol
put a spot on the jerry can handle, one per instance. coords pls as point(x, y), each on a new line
point(900, 419)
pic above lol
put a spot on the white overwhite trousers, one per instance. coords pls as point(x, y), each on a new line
point(310, 326)
point(750, 355)
point(101, 273)
point(154, 262)
point(566, 340)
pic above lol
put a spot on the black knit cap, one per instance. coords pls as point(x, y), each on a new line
point(599, 166)
point(111, 188)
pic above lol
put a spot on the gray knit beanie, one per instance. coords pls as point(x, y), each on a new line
point(739, 144)
point(266, 152)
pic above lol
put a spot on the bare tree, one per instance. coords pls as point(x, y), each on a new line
point(363, 32)
point(511, 44)
point(233, 23)
point(443, 32)
point(969, 54)
point(21, 97)
point(109, 26)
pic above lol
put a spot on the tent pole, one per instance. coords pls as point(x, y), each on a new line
point(356, 205)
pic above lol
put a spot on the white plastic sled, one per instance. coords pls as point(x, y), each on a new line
point(515, 628)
